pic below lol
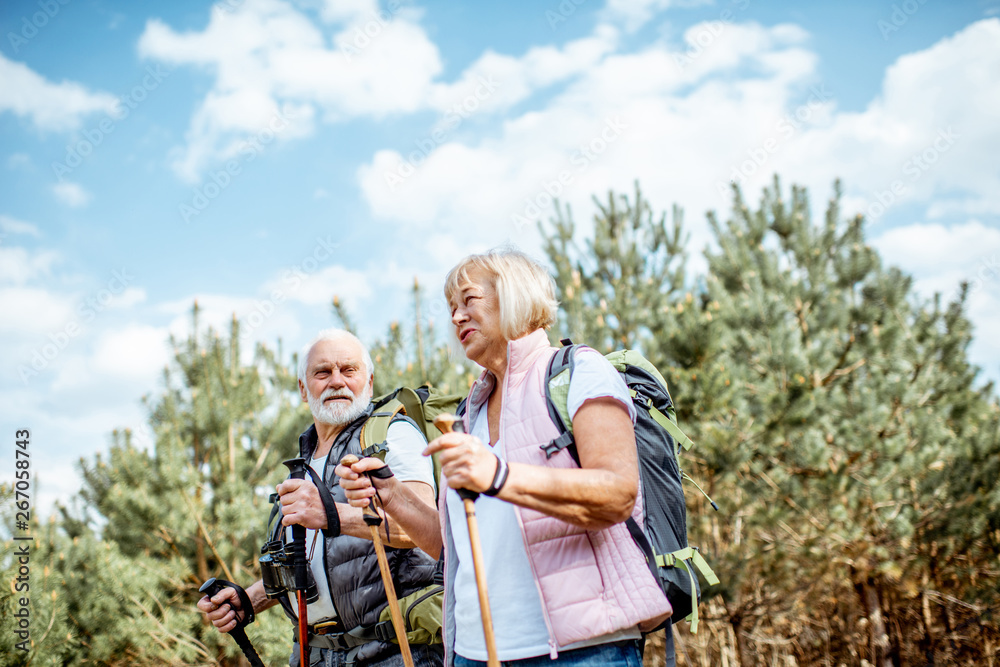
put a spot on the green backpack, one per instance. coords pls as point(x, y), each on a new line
point(663, 538)
point(420, 406)
point(421, 610)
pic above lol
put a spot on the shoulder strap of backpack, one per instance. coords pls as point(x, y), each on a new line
point(376, 427)
point(557, 379)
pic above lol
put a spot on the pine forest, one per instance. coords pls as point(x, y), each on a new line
point(852, 448)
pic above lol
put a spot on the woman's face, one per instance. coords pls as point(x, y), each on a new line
point(475, 312)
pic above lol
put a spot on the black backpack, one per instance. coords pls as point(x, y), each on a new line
point(659, 440)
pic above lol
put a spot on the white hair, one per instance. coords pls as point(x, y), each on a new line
point(334, 335)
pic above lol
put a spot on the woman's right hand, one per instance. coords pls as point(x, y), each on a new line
point(358, 487)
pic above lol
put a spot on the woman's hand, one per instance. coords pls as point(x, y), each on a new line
point(465, 461)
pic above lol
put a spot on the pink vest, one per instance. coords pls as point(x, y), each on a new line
point(591, 583)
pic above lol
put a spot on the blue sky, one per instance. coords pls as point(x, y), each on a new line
point(264, 155)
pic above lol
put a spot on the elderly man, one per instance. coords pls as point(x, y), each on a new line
point(336, 377)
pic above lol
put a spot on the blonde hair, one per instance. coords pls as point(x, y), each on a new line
point(525, 290)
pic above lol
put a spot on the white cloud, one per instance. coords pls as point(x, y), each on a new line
point(932, 132)
point(625, 116)
point(18, 265)
point(11, 226)
point(319, 288)
point(50, 106)
point(135, 352)
point(633, 14)
point(495, 82)
point(267, 56)
point(19, 161)
point(71, 194)
point(933, 249)
point(128, 298)
point(342, 11)
point(747, 105)
point(940, 258)
point(33, 310)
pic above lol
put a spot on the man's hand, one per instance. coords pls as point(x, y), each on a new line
point(301, 505)
point(221, 609)
point(359, 488)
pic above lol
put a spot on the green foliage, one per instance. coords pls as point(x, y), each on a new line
point(837, 419)
point(412, 359)
point(115, 581)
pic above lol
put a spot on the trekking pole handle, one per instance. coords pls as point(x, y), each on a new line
point(373, 520)
point(448, 423)
point(297, 470)
point(211, 588)
point(369, 514)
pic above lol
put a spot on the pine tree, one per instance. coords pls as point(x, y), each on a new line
point(851, 445)
point(836, 418)
point(157, 522)
point(413, 359)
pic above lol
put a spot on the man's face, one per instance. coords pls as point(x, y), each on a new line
point(337, 385)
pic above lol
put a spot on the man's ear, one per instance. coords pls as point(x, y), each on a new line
point(302, 392)
point(371, 383)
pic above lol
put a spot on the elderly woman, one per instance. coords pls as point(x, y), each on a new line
point(565, 579)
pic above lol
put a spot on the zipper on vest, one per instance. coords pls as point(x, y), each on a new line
point(553, 647)
point(322, 537)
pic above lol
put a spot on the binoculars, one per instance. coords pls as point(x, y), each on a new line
point(277, 571)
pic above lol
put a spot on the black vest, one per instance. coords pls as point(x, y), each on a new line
point(351, 565)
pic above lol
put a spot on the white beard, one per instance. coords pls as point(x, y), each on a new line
point(336, 414)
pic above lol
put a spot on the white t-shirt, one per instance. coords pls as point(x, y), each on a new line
point(405, 457)
point(515, 602)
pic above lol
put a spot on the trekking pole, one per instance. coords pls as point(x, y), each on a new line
point(374, 521)
point(211, 588)
point(297, 470)
point(446, 423)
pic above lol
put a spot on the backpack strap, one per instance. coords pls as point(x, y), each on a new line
point(669, 425)
point(376, 428)
point(329, 506)
point(690, 558)
point(557, 398)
